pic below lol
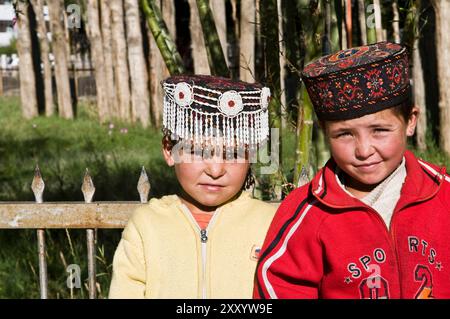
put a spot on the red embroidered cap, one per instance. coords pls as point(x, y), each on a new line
point(358, 81)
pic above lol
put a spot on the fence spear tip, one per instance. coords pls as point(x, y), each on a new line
point(143, 186)
point(38, 185)
point(88, 187)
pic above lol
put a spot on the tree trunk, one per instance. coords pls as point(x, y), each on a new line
point(247, 41)
point(198, 48)
point(95, 39)
point(348, 23)
point(362, 22)
point(396, 21)
point(326, 37)
point(378, 26)
point(119, 47)
point(61, 63)
point(412, 38)
point(442, 11)
point(220, 18)
point(158, 69)
point(45, 50)
point(140, 101)
point(26, 71)
point(419, 97)
point(107, 55)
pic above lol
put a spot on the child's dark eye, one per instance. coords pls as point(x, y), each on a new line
point(381, 130)
point(343, 134)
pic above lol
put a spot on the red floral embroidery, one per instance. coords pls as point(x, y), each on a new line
point(375, 83)
point(395, 75)
point(325, 95)
point(349, 92)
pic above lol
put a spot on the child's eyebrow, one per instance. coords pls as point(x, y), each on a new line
point(383, 124)
point(372, 125)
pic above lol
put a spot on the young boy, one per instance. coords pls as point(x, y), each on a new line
point(374, 222)
point(204, 242)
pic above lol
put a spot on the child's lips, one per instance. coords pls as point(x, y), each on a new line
point(369, 167)
point(212, 187)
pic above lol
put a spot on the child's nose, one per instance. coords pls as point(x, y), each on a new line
point(363, 149)
point(215, 170)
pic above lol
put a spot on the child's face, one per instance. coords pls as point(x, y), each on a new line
point(371, 147)
point(210, 182)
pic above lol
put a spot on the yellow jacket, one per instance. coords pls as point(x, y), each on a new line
point(162, 254)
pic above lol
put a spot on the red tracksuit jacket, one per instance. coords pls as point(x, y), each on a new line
point(324, 243)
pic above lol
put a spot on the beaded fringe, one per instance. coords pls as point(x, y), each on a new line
point(246, 128)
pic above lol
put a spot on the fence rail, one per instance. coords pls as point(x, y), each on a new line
point(26, 215)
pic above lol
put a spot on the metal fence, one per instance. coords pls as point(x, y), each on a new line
point(89, 215)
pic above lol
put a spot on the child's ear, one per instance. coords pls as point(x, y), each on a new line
point(168, 156)
point(167, 152)
point(412, 122)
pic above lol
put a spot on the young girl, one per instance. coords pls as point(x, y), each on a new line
point(374, 222)
point(204, 242)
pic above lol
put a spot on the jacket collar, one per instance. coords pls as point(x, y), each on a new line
point(240, 198)
point(423, 180)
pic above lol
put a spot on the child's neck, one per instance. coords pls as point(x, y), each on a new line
point(359, 190)
point(194, 206)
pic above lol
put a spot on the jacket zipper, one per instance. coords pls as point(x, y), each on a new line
point(203, 242)
point(391, 239)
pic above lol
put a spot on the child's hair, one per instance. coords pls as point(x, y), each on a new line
point(403, 110)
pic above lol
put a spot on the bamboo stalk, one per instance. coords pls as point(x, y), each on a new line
point(216, 57)
point(370, 18)
point(313, 25)
point(164, 41)
point(304, 137)
point(326, 45)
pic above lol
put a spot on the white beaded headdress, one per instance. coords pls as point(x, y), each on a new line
point(197, 107)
